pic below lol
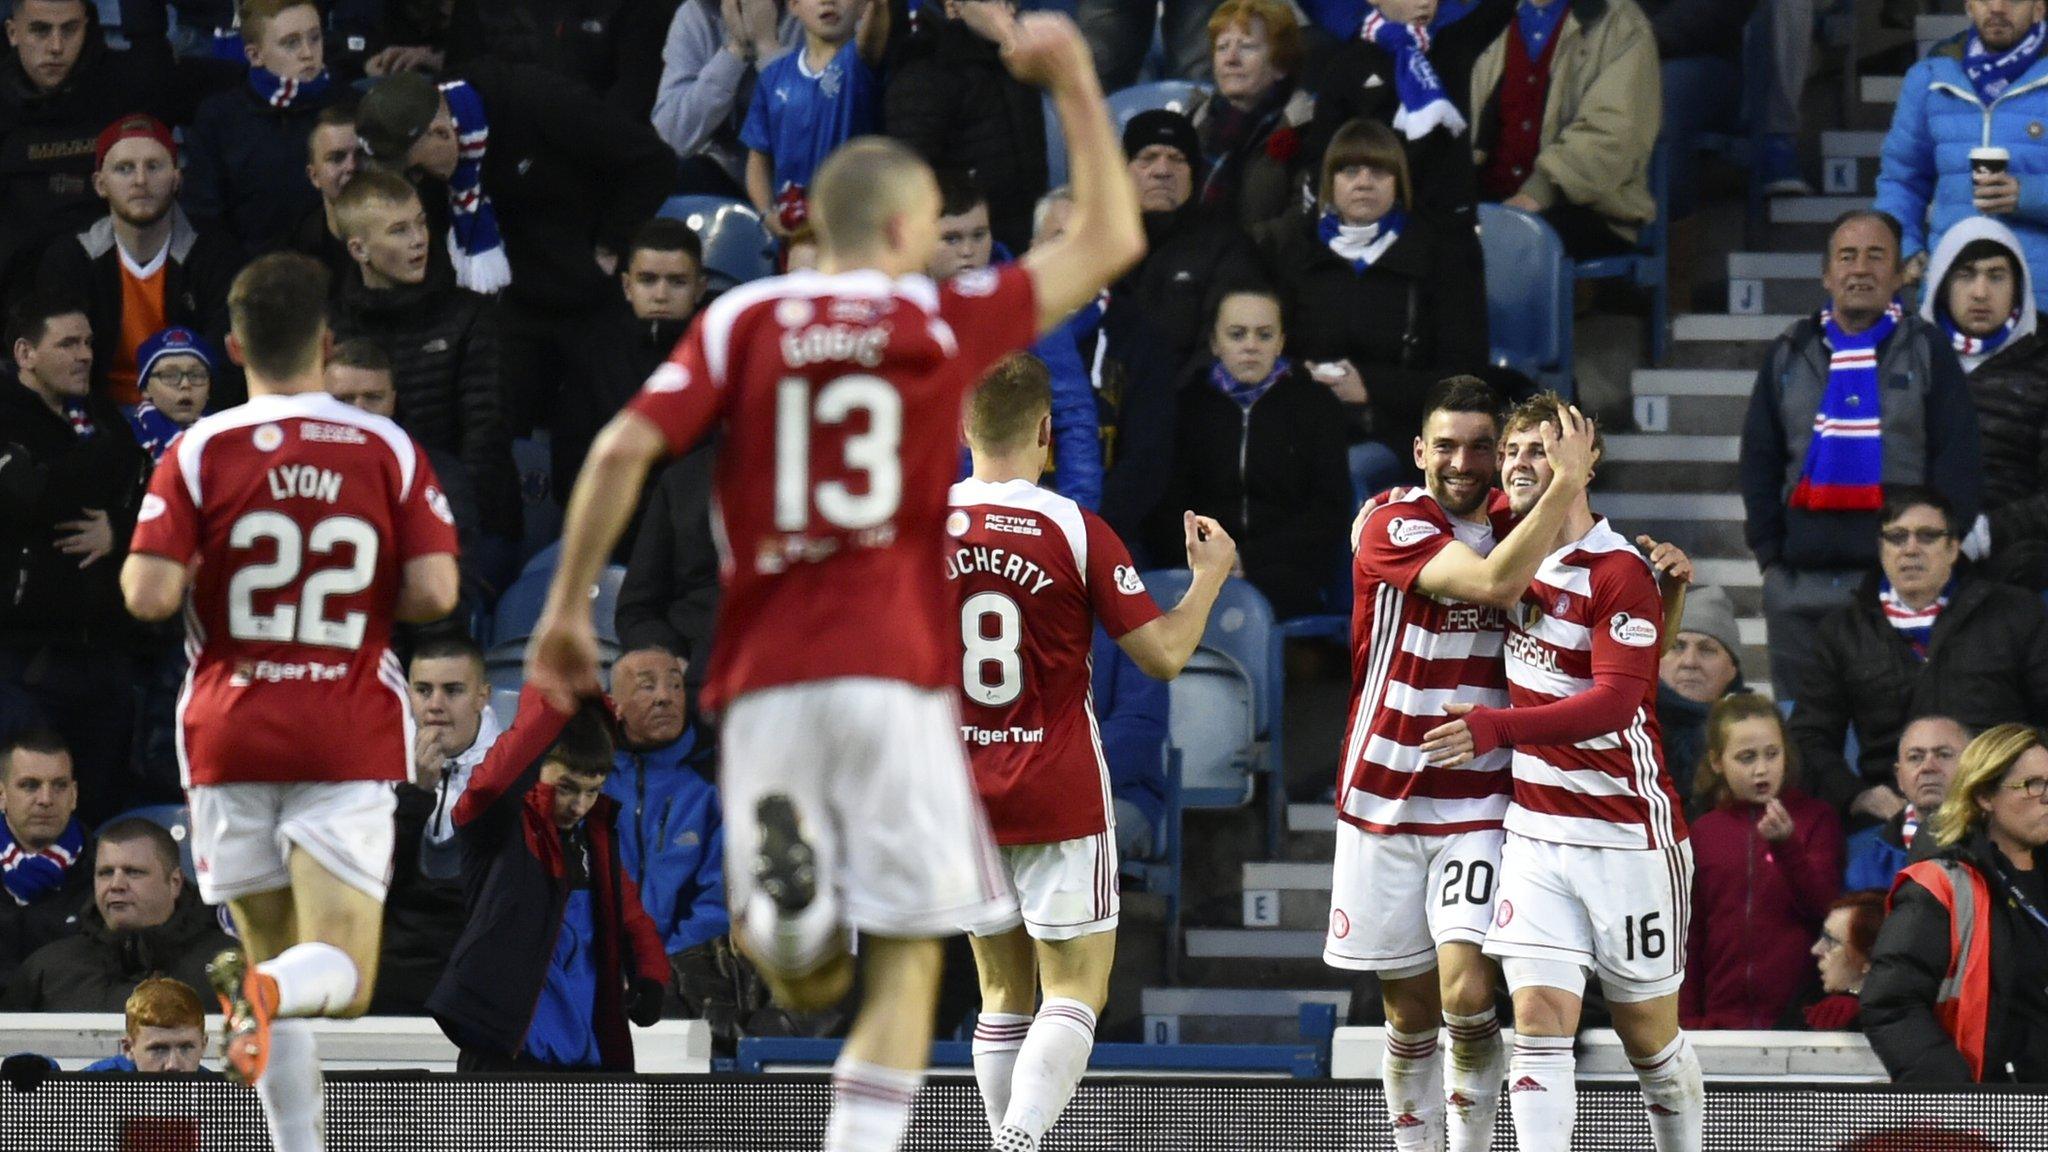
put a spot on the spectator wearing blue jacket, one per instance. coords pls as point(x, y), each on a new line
point(1930, 749)
point(1984, 87)
point(1130, 712)
point(966, 242)
point(671, 831)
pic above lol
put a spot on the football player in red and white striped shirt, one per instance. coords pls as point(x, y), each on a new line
point(1596, 873)
point(840, 394)
point(1418, 846)
point(1034, 572)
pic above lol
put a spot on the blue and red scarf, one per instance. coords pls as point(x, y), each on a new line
point(1992, 75)
point(1243, 394)
point(30, 876)
point(1915, 626)
point(1844, 469)
point(479, 251)
point(1424, 106)
point(279, 92)
point(1968, 345)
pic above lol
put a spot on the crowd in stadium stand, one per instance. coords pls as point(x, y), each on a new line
point(485, 180)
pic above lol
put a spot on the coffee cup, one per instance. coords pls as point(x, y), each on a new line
point(1988, 162)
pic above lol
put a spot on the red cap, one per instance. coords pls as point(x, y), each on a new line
point(135, 126)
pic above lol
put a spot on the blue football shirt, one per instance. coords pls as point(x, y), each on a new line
point(798, 117)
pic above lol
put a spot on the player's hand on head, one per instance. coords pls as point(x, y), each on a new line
point(1672, 564)
point(1569, 447)
point(1210, 548)
point(562, 661)
point(1450, 745)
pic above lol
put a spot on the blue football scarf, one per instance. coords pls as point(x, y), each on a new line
point(1915, 626)
point(30, 876)
point(1844, 469)
point(1424, 106)
point(279, 92)
point(1361, 244)
point(1968, 345)
point(1245, 395)
point(1992, 75)
point(154, 431)
point(479, 251)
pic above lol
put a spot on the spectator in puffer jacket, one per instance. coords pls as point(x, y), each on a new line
point(1922, 639)
point(951, 99)
point(1987, 86)
point(245, 146)
point(1929, 750)
point(1767, 863)
point(612, 48)
point(1983, 297)
point(671, 831)
point(442, 340)
point(558, 953)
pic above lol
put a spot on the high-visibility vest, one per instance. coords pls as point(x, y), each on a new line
point(1962, 1004)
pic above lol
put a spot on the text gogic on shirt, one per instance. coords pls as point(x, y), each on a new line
point(1411, 655)
point(1593, 610)
point(302, 513)
point(1033, 572)
point(841, 397)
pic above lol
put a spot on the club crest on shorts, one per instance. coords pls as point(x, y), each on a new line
point(1503, 913)
point(1633, 631)
point(1340, 924)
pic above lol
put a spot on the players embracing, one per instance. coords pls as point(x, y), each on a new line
point(1596, 871)
point(1034, 573)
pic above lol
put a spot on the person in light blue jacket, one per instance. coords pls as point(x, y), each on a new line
point(1987, 87)
point(671, 830)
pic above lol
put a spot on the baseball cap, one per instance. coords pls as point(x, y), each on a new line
point(172, 341)
point(1163, 126)
point(134, 126)
point(396, 113)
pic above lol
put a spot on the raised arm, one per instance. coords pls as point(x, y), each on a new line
point(562, 661)
point(1105, 236)
point(1161, 648)
point(1500, 577)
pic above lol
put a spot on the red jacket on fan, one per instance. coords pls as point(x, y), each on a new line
point(1757, 909)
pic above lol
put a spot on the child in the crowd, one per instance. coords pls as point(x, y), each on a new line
point(166, 1030)
point(807, 103)
point(176, 375)
point(1767, 864)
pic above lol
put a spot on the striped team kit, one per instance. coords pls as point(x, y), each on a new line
point(1596, 874)
point(1418, 845)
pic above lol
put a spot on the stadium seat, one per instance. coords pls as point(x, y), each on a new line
point(1648, 266)
point(1241, 628)
point(519, 608)
point(505, 702)
point(737, 246)
point(1160, 873)
point(1210, 727)
point(1528, 296)
point(174, 818)
point(541, 516)
point(1173, 95)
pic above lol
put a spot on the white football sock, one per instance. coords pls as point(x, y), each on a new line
point(313, 979)
point(1674, 1096)
point(998, 1037)
point(790, 945)
point(290, 1088)
point(1413, 1073)
point(1472, 1082)
point(1543, 1096)
point(870, 1106)
point(1050, 1065)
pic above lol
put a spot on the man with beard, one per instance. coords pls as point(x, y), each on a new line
point(1418, 846)
point(143, 267)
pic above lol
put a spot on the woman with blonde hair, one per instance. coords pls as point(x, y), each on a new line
point(1956, 992)
point(1767, 863)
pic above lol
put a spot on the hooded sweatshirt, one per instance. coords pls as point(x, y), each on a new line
point(2009, 389)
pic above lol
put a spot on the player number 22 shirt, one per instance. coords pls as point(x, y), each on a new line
point(301, 513)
